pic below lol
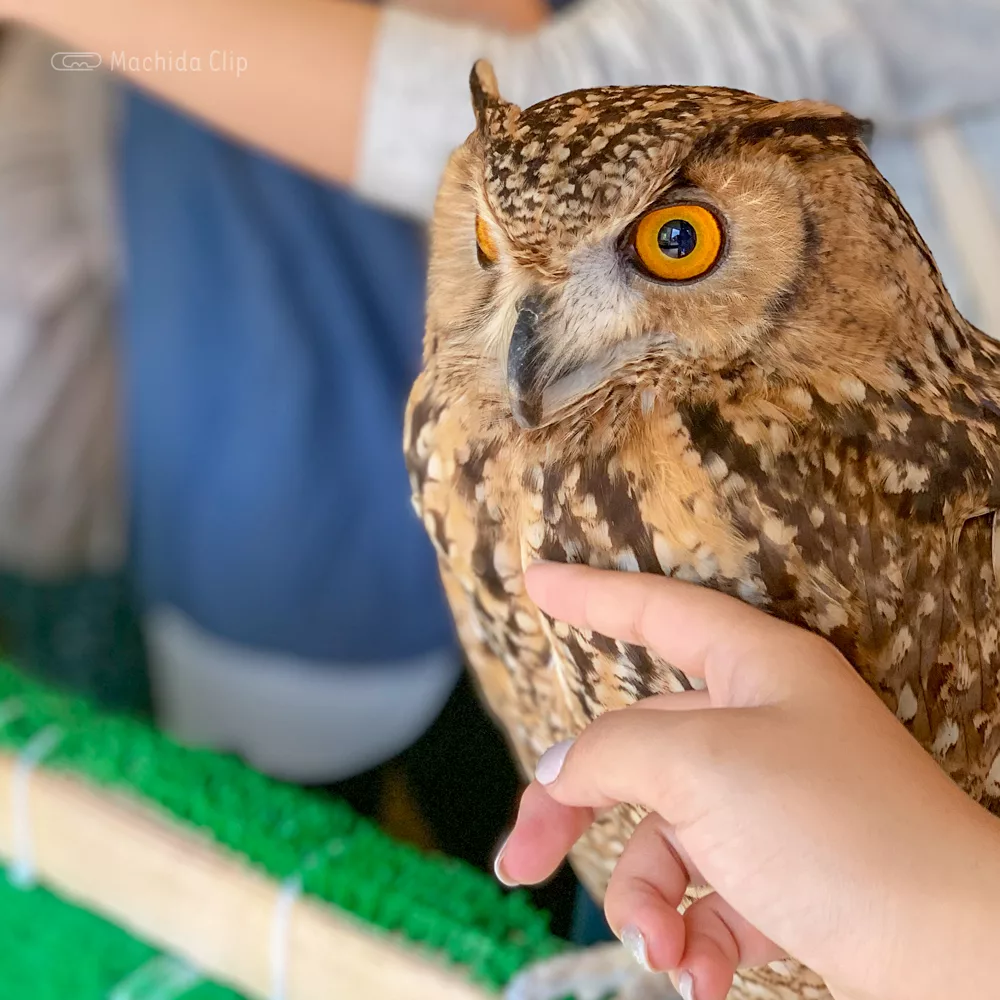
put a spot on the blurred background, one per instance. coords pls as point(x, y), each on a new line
point(212, 252)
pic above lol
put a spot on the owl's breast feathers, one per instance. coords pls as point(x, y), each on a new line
point(863, 515)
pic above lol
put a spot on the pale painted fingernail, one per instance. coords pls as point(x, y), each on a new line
point(502, 877)
point(551, 762)
point(633, 940)
point(685, 986)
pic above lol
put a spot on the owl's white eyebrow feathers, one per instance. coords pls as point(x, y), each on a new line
point(597, 296)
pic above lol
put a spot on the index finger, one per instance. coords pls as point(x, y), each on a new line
point(684, 623)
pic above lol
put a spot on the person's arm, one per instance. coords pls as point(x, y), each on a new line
point(287, 76)
point(378, 96)
point(821, 826)
point(893, 61)
point(304, 64)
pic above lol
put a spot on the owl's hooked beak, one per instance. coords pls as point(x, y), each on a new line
point(539, 389)
point(524, 363)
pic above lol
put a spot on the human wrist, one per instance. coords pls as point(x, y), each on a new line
point(969, 963)
point(952, 936)
point(929, 914)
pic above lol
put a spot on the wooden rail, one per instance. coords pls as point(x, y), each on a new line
point(168, 885)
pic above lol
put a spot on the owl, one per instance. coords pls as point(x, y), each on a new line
point(692, 331)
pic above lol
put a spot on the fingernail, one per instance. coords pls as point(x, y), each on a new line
point(633, 940)
point(551, 762)
point(502, 877)
point(685, 986)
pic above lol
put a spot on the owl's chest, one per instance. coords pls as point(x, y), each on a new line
point(614, 510)
point(811, 539)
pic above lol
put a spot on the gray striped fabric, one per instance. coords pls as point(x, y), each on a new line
point(60, 503)
point(902, 63)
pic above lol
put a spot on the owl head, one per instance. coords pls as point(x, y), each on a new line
point(634, 240)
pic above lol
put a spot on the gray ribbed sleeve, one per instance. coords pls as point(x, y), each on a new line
point(896, 61)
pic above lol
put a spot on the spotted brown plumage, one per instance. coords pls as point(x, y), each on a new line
point(811, 426)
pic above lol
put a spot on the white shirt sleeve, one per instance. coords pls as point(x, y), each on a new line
point(895, 61)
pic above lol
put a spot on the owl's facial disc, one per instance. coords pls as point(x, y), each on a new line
point(579, 333)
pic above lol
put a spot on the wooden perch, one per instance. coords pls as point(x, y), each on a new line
point(173, 888)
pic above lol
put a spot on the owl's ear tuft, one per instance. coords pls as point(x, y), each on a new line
point(483, 83)
point(487, 103)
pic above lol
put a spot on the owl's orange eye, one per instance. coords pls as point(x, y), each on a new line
point(486, 246)
point(678, 242)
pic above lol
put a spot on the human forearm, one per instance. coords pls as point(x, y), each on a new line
point(286, 77)
point(378, 96)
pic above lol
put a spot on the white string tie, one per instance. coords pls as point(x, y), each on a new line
point(164, 977)
point(21, 872)
point(288, 895)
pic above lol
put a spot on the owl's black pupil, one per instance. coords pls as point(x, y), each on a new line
point(677, 238)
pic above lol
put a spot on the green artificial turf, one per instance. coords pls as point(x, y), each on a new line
point(50, 950)
point(440, 905)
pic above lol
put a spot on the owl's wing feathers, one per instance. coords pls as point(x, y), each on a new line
point(459, 497)
point(872, 522)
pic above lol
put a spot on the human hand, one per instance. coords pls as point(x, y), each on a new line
point(823, 828)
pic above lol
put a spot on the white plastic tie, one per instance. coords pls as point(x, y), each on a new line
point(281, 920)
point(288, 896)
point(21, 872)
point(164, 977)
